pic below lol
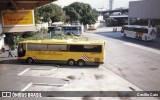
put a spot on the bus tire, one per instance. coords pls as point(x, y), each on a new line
point(72, 33)
point(29, 60)
point(140, 38)
point(69, 33)
point(81, 63)
point(71, 62)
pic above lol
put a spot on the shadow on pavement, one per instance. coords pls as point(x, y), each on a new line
point(58, 65)
point(117, 35)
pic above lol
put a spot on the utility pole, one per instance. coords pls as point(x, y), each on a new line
point(110, 4)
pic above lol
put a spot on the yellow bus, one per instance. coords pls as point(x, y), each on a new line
point(57, 51)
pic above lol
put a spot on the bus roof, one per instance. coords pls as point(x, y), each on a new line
point(54, 41)
point(65, 26)
point(136, 26)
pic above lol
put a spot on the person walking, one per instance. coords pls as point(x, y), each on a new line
point(10, 53)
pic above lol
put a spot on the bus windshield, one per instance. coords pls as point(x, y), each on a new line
point(21, 50)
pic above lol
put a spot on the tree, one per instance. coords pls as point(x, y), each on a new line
point(82, 12)
point(9, 39)
point(81, 8)
point(72, 14)
point(89, 18)
point(50, 12)
point(37, 16)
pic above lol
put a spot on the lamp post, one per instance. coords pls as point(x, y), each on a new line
point(41, 24)
point(50, 24)
point(78, 24)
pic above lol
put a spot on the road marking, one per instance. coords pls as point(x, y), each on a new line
point(143, 47)
point(25, 88)
point(47, 84)
point(23, 71)
point(43, 69)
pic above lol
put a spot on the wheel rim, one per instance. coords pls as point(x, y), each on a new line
point(81, 63)
point(30, 60)
point(71, 63)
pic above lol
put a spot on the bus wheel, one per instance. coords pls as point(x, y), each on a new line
point(81, 63)
point(30, 60)
point(69, 33)
point(72, 33)
point(71, 62)
point(140, 38)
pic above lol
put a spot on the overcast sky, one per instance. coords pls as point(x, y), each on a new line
point(98, 4)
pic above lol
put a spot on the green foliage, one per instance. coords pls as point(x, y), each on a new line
point(49, 12)
point(36, 37)
point(72, 14)
point(89, 18)
point(27, 34)
point(37, 16)
point(81, 11)
point(66, 37)
point(9, 39)
point(12, 39)
point(44, 30)
point(81, 8)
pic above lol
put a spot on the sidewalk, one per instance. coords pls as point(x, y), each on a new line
point(158, 39)
point(5, 54)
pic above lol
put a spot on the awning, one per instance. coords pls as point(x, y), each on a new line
point(22, 4)
point(119, 16)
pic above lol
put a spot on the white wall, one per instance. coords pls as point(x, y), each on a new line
point(1, 42)
point(0, 23)
point(39, 26)
point(1, 36)
point(0, 28)
point(144, 9)
point(100, 18)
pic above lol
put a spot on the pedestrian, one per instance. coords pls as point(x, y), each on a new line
point(10, 53)
point(0, 52)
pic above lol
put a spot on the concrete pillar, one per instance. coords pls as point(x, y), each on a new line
point(129, 21)
point(149, 22)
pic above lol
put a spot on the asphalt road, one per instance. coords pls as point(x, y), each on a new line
point(130, 65)
point(136, 61)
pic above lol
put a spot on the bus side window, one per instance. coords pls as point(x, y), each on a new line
point(57, 47)
point(32, 47)
point(85, 48)
point(42, 47)
point(76, 48)
point(145, 30)
point(136, 30)
point(92, 48)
